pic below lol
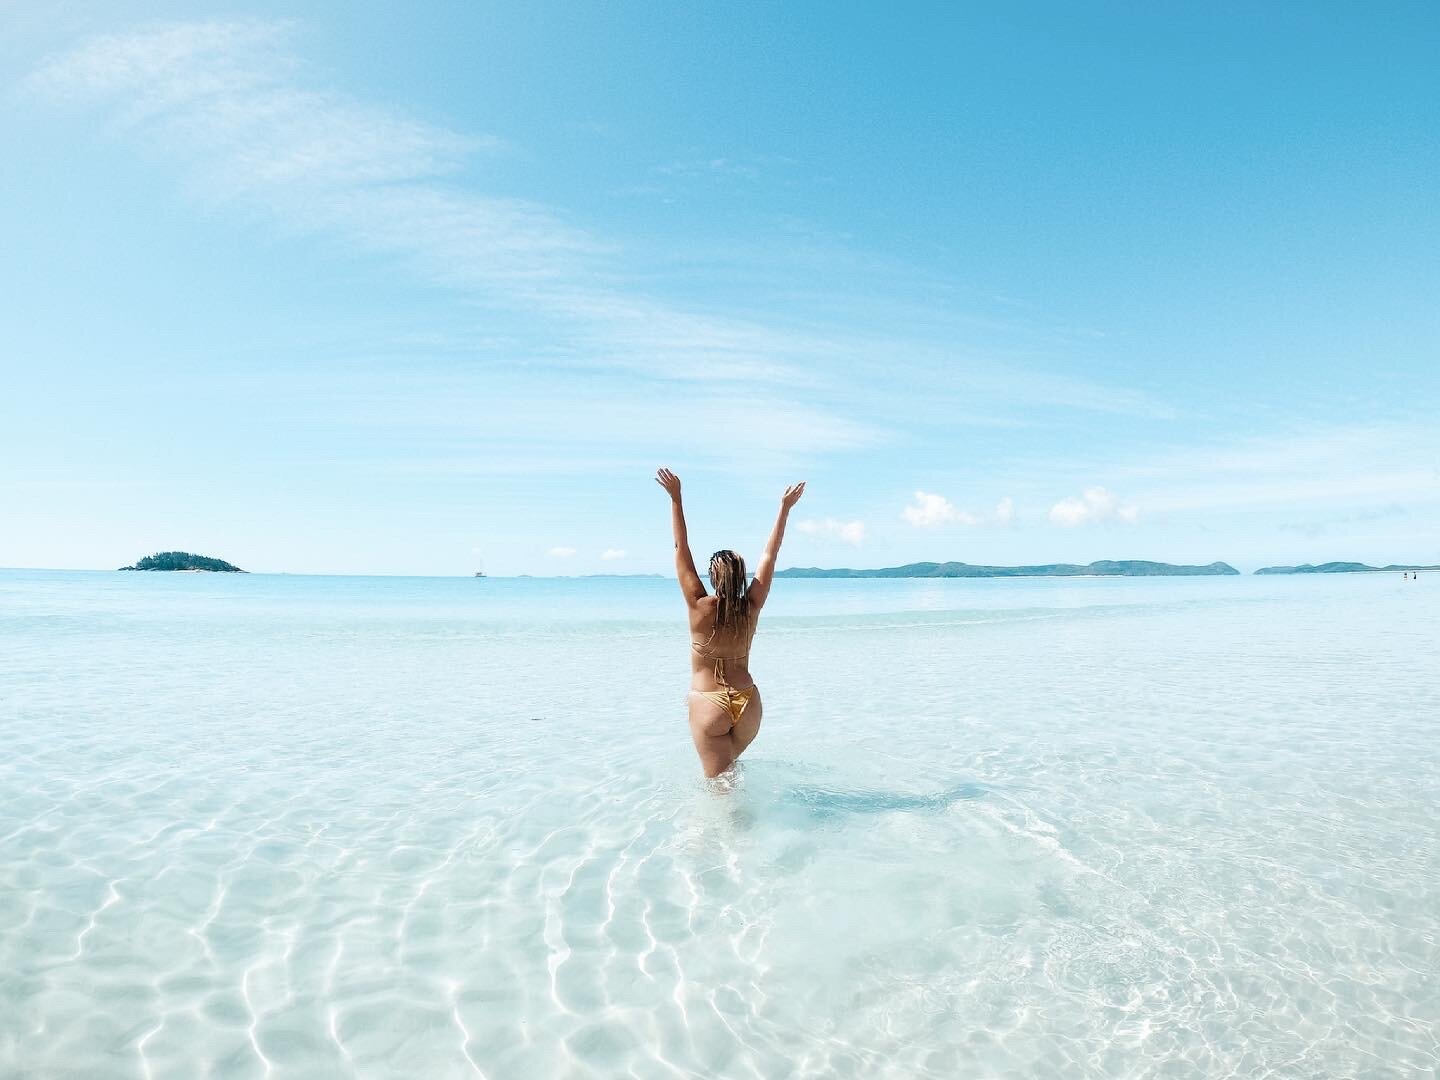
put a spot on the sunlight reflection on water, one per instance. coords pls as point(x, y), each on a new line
point(298, 826)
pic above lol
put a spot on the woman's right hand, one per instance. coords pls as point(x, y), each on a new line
point(670, 482)
point(791, 496)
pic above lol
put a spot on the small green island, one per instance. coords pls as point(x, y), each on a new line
point(1102, 568)
point(183, 560)
point(1340, 568)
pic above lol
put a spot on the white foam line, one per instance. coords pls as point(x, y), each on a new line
point(176, 827)
point(657, 1043)
point(316, 835)
point(289, 935)
point(557, 956)
point(464, 1032)
point(694, 900)
point(334, 964)
point(640, 958)
point(112, 898)
point(614, 873)
point(1300, 971)
point(35, 823)
point(607, 971)
point(201, 932)
point(465, 1040)
point(554, 928)
point(753, 1000)
point(334, 1021)
point(1285, 1068)
point(420, 893)
point(250, 1028)
point(678, 995)
point(610, 878)
point(762, 933)
point(715, 1008)
point(405, 917)
point(140, 1047)
point(548, 837)
point(1046, 838)
point(654, 942)
point(29, 915)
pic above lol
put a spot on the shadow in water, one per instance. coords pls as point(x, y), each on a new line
point(773, 795)
point(822, 802)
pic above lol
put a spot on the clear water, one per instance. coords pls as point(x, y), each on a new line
point(309, 827)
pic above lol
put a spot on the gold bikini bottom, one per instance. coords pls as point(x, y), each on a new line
point(728, 698)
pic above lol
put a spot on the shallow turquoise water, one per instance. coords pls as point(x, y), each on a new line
point(286, 826)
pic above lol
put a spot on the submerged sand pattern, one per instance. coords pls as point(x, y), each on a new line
point(297, 827)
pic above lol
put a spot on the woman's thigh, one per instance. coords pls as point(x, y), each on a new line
point(710, 728)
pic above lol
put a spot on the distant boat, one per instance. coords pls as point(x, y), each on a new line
point(479, 573)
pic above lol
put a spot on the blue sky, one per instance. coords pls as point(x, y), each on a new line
point(349, 288)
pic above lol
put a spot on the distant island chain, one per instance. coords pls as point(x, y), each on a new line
point(183, 560)
point(1340, 568)
point(1102, 568)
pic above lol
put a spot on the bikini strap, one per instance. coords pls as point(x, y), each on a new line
point(701, 647)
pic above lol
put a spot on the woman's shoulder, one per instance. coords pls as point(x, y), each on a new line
point(704, 612)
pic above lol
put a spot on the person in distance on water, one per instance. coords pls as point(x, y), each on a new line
point(725, 706)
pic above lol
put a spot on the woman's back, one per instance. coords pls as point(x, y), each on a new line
point(722, 651)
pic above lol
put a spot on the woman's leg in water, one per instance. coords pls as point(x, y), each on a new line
point(710, 728)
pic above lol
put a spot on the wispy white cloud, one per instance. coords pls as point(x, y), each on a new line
point(561, 551)
point(542, 425)
point(712, 166)
point(1093, 506)
point(850, 532)
point(930, 510)
point(236, 108)
point(611, 554)
point(1341, 466)
point(230, 102)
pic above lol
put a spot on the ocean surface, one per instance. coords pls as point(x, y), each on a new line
point(283, 826)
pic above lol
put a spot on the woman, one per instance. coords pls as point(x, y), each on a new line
point(725, 705)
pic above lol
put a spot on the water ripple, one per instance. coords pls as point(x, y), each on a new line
point(1100, 840)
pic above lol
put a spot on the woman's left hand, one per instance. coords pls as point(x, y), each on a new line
point(670, 482)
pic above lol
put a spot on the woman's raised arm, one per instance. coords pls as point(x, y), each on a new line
point(765, 569)
point(690, 583)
